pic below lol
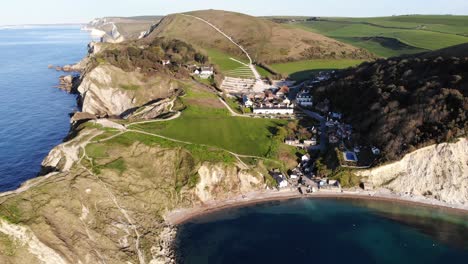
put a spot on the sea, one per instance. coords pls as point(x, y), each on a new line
point(34, 116)
point(326, 231)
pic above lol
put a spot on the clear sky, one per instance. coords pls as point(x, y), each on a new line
point(79, 11)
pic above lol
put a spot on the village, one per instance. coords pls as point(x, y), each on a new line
point(313, 127)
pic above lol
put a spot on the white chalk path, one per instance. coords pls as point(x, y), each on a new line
point(250, 65)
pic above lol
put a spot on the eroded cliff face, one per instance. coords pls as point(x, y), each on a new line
point(439, 171)
point(221, 181)
point(109, 91)
point(93, 211)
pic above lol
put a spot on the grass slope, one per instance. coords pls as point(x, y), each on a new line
point(265, 40)
point(214, 126)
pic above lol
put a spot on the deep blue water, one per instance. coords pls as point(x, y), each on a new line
point(326, 231)
point(33, 115)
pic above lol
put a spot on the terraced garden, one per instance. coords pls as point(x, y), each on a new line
point(229, 66)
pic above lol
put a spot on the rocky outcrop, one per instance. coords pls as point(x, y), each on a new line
point(439, 171)
point(151, 110)
point(64, 156)
point(109, 91)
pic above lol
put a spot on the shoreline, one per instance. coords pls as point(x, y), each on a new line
point(181, 216)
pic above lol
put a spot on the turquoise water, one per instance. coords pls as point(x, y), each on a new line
point(33, 115)
point(326, 231)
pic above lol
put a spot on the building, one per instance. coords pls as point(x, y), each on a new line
point(165, 62)
point(283, 184)
point(304, 99)
point(292, 142)
point(246, 101)
point(274, 109)
point(204, 72)
point(310, 142)
point(375, 151)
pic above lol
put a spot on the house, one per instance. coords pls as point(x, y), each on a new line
point(292, 142)
point(304, 99)
point(246, 101)
point(165, 62)
point(336, 115)
point(332, 182)
point(294, 176)
point(305, 158)
point(205, 72)
point(279, 109)
point(283, 184)
point(310, 142)
point(375, 151)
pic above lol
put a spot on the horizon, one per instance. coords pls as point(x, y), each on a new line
point(278, 15)
point(51, 12)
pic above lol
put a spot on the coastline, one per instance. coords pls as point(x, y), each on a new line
point(184, 215)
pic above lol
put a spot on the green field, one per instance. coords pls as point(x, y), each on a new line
point(301, 70)
point(216, 127)
point(392, 36)
point(228, 66)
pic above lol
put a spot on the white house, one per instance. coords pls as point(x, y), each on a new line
point(283, 184)
point(206, 72)
point(271, 110)
point(165, 62)
point(247, 102)
point(304, 99)
point(306, 157)
point(375, 151)
point(310, 142)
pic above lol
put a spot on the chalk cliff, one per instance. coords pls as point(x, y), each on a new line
point(439, 171)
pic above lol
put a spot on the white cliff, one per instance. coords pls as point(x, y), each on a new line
point(439, 171)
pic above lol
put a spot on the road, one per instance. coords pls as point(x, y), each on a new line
point(251, 66)
point(323, 136)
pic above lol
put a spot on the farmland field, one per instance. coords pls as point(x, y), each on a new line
point(392, 36)
point(301, 70)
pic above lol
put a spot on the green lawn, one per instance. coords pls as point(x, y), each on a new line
point(410, 34)
point(301, 70)
point(215, 127)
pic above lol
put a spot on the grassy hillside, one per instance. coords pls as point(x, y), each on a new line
point(206, 121)
point(404, 103)
point(391, 36)
point(265, 40)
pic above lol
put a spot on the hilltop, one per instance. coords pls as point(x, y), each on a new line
point(265, 40)
point(404, 103)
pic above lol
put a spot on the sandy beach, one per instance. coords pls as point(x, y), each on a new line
point(180, 216)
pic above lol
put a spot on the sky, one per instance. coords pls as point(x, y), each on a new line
point(14, 12)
